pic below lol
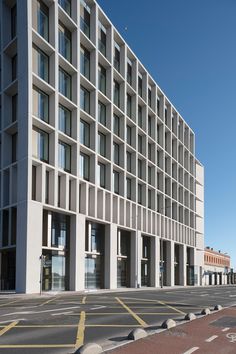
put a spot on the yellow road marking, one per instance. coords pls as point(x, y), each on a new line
point(46, 326)
point(171, 307)
point(136, 317)
point(80, 331)
point(9, 303)
point(7, 328)
point(25, 346)
point(83, 300)
point(48, 301)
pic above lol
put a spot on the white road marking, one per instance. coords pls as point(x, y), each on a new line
point(15, 319)
point(61, 313)
point(232, 295)
point(191, 350)
point(204, 295)
point(232, 337)
point(210, 339)
point(97, 307)
point(225, 329)
point(35, 312)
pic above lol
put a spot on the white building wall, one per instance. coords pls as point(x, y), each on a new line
point(171, 202)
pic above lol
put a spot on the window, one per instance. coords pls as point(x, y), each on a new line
point(66, 5)
point(150, 175)
point(40, 142)
point(129, 105)
point(102, 38)
point(149, 151)
point(140, 148)
point(149, 198)
point(42, 19)
point(64, 121)
point(85, 18)
point(64, 39)
point(64, 156)
point(5, 227)
point(84, 166)
point(116, 153)
point(140, 120)
point(117, 57)
point(149, 96)
point(14, 148)
point(116, 93)
point(14, 102)
point(101, 175)
point(116, 182)
point(13, 21)
point(149, 125)
point(84, 99)
point(140, 174)
point(158, 106)
point(102, 144)
point(85, 62)
point(128, 188)
point(101, 113)
point(129, 71)
point(128, 161)
point(140, 85)
point(128, 135)
point(84, 133)
point(166, 116)
point(139, 193)
point(116, 124)
point(64, 83)
point(102, 79)
point(60, 230)
point(40, 104)
point(40, 63)
point(14, 67)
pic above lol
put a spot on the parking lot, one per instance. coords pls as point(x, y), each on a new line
point(63, 322)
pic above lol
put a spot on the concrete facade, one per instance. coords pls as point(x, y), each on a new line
point(100, 186)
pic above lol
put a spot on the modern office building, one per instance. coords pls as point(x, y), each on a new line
point(217, 269)
point(100, 187)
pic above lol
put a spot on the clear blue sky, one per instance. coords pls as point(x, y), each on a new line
point(189, 47)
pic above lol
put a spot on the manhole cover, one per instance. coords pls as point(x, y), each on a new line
point(225, 321)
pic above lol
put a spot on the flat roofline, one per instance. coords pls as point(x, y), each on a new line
point(135, 56)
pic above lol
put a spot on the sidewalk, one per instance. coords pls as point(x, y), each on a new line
point(211, 334)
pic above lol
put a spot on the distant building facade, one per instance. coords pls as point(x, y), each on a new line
point(217, 269)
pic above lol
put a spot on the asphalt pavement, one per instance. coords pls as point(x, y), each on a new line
point(60, 323)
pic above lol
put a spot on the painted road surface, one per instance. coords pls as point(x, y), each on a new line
point(55, 324)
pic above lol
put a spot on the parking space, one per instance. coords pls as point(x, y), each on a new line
point(60, 323)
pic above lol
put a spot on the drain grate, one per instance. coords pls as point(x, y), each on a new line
point(225, 321)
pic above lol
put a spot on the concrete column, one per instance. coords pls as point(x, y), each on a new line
point(135, 259)
point(170, 263)
point(155, 261)
point(77, 252)
point(29, 247)
point(110, 255)
point(182, 265)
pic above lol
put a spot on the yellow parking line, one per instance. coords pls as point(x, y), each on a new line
point(171, 307)
point(136, 317)
point(9, 303)
point(80, 332)
point(106, 313)
point(48, 301)
point(83, 300)
point(7, 328)
point(25, 346)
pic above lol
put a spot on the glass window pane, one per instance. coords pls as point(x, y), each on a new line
point(64, 122)
point(42, 19)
